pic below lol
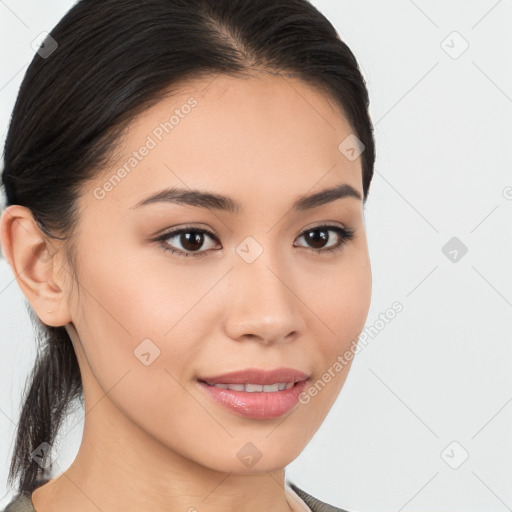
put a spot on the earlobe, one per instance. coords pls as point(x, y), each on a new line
point(33, 260)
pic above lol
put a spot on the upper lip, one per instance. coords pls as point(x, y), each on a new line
point(257, 376)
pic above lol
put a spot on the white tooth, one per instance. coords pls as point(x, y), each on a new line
point(236, 387)
point(251, 388)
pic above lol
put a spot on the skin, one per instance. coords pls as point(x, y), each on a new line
point(152, 440)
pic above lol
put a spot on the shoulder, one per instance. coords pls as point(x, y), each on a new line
point(314, 503)
point(20, 503)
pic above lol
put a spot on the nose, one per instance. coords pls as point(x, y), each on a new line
point(263, 304)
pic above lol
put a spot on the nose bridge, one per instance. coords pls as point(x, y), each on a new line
point(263, 302)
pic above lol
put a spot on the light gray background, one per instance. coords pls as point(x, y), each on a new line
point(434, 384)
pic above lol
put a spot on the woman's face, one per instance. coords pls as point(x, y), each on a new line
point(257, 294)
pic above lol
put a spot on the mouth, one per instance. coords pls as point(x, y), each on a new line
point(256, 394)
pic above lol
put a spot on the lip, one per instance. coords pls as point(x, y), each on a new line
point(259, 405)
point(257, 376)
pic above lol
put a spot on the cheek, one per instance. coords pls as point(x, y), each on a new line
point(341, 302)
point(140, 320)
point(122, 328)
point(131, 297)
point(340, 297)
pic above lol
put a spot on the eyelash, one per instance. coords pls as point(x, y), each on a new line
point(345, 235)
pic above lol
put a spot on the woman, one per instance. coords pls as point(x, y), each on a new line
point(185, 183)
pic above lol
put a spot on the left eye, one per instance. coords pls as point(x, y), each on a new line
point(191, 239)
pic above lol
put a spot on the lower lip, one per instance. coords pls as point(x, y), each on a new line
point(260, 405)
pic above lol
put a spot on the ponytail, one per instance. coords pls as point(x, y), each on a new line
point(52, 385)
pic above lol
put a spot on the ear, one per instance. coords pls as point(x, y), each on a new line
point(35, 262)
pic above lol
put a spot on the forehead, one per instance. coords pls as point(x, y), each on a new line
point(243, 135)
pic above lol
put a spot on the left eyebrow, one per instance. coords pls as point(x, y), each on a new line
point(213, 201)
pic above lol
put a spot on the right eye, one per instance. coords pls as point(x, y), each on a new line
point(190, 238)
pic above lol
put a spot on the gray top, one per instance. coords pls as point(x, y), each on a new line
point(23, 503)
point(314, 503)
